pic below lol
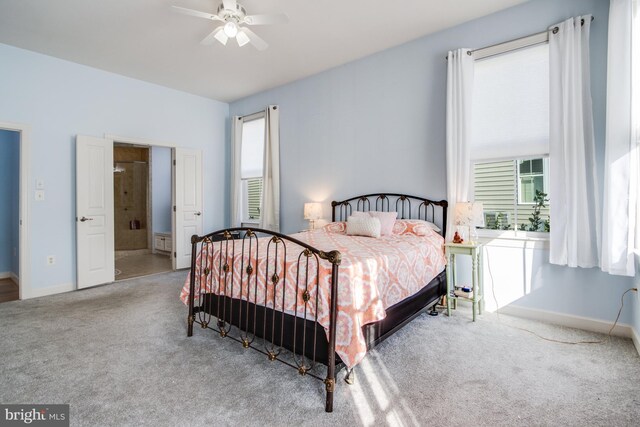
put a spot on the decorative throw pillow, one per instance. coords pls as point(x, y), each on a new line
point(417, 227)
point(336, 227)
point(363, 226)
point(360, 213)
point(387, 220)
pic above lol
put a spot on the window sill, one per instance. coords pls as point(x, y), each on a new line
point(518, 239)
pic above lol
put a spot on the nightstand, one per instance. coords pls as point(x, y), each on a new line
point(474, 250)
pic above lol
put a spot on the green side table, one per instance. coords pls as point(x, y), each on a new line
point(474, 250)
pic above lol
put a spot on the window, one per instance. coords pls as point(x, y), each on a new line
point(531, 179)
point(251, 163)
point(510, 144)
point(499, 184)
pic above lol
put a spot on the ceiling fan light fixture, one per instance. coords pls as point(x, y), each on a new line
point(235, 23)
point(230, 29)
point(221, 36)
point(242, 38)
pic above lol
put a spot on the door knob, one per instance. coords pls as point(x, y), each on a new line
point(83, 219)
point(198, 213)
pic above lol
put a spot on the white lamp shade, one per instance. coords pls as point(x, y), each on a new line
point(312, 211)
point(221, 37)
point(242, 38)
point(469, 214)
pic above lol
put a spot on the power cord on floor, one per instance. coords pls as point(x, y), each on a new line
point(495, 299)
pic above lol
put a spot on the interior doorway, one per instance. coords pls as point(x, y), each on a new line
point(142, 210)
point(95, 211)
point(9, 215)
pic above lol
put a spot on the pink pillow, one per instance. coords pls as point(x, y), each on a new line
point(336, 227)
point(387, 220)
point(414, 226)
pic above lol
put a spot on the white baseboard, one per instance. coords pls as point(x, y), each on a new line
point(636, 339)
point(43, 292)
point(10, 275)
point(569, 320)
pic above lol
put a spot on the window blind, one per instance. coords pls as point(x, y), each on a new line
point(252, 148)
point(510, 116)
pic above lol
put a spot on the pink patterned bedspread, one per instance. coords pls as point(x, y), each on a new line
point(374, 275)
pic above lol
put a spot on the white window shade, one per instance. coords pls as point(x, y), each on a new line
point(252, 148)
point(511, 105)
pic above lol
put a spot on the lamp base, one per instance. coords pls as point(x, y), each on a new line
point(473, 235)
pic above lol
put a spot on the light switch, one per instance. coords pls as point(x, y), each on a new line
point(40, 184)
point(39, 195)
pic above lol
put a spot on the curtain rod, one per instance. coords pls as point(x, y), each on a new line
point(514, 44)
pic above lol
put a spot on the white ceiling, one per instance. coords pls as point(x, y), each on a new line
point(145, 39)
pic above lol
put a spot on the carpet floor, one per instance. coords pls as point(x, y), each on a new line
point(119, 355)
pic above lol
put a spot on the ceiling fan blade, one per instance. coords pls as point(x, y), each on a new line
point(277, 18)
point(256, 41)
point(196, 13)
point(217, 34)
point(230, 4)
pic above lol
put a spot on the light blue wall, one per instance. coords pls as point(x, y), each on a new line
point(9, 200)
point(60, 99)
point(161, 189)
point(378, 124)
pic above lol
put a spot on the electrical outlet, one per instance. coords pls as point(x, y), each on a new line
point(39, 195)
point(51, 260)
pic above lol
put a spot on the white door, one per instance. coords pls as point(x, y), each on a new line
point(187, 201)
point(94, 211)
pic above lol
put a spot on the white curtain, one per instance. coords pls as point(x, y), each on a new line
point(459, 97)
point(270, 215)
point(621, 161)
point(236, 184)
point(575, 224)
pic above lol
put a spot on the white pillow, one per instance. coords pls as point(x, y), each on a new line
point(363, 226)
point(387, 219)
point(360, 214)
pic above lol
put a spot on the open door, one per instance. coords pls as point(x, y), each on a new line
point(94, 211)
point(187, 202)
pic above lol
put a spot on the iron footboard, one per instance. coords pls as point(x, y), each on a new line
point(245, 280)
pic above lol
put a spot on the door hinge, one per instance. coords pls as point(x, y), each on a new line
point(175, 255)
point(174, 208)
point(174, 163)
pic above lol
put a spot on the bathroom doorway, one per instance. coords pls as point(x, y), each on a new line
point(142, 205)
point(9, 215)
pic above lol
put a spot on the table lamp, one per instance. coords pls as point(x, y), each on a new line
point(470, 215)
point(312, 212)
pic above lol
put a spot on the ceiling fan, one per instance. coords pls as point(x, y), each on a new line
point(234, 19)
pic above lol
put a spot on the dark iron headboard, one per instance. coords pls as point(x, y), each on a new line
point(421, 208)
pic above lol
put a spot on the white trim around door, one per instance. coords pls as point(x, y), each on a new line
point(25, 207)
point(154, 143)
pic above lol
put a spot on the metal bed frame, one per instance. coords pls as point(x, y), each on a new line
point(299, 342)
